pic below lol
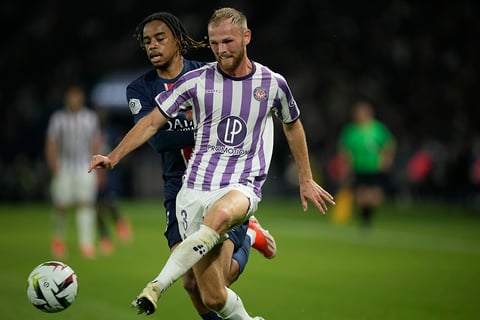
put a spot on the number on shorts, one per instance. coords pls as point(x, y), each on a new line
point(184, 219)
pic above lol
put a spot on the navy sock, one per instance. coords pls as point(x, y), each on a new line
point(366, 216)
point(210, 316)
point(241, 255)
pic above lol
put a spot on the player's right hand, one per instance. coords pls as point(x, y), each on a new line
point(100, 162)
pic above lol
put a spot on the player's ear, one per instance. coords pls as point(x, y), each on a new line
point(247, 35)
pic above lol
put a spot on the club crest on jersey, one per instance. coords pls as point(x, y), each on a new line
point(260, 94)
point(135, 106)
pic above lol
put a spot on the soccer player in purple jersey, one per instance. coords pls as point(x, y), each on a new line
point(165, 40)
point(233, 101)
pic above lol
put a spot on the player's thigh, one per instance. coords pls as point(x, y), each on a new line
point(189, 210)
point(85, 187)
point(230, 207)
point(62, 190)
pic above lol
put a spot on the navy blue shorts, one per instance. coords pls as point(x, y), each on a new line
point(172, 233)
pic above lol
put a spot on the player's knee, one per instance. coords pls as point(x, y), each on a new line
point(219, 220)
point(214, 300)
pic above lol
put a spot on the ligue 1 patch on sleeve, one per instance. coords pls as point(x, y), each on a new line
point(135, 106)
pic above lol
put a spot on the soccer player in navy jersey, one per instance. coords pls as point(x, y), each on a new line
point(233, 101)
point(165, 40)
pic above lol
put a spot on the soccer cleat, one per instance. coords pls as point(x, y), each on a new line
point(106, 246)
point(264, 241)
point(87, 250)
point(146, 302)
point(124, 230)
point(59, 250)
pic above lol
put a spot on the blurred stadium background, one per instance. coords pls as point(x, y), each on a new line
point(419, 64)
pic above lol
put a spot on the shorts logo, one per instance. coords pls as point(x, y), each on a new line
point(232, 131)
point(260, 94)
point(135, 106)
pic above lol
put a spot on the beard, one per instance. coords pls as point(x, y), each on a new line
point(232, 61)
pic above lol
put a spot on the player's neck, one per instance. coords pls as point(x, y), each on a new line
point(243, 69)
point(172, 69)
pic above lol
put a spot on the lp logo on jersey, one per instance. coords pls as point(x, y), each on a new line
point(232, 131)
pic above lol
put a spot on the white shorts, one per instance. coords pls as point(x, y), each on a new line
point(74, 187)
point(192, 205)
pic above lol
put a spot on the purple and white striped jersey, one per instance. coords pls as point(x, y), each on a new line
point(234, 123)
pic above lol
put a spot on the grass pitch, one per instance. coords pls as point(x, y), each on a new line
point(417, 262)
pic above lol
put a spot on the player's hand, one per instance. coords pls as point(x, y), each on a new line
point(188, 115)
point(100, 162)
point(310, 190)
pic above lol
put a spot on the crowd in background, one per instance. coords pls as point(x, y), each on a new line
point(417, 60)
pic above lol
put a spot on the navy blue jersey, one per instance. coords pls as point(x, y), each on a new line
point(176, 134)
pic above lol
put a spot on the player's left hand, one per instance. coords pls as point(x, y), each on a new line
point(310, 190)
point(100, 162)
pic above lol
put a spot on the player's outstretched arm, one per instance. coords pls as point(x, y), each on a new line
point(309, 189)
point(138, 135)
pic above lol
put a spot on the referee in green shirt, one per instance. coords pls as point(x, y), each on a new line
point(369, 147)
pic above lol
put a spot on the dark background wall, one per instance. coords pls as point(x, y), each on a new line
point(418, 60)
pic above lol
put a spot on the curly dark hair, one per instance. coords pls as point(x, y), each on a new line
point(175, 25)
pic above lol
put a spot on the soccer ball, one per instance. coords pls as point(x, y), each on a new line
point(52, 286)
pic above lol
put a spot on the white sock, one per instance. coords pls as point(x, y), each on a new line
point(185, 255)
point(86, 225)
point(233, 309)
point(253, 235)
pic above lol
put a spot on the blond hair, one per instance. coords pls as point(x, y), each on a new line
point(236, 17)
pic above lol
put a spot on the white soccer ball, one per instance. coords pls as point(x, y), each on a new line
point(52, 286)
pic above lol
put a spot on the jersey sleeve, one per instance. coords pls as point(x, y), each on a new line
point(285, 107)
point(53, 127)
point(178, 98)
point(139, 103)
point(175, 135)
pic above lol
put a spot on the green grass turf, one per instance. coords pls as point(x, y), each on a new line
point(418, 262)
